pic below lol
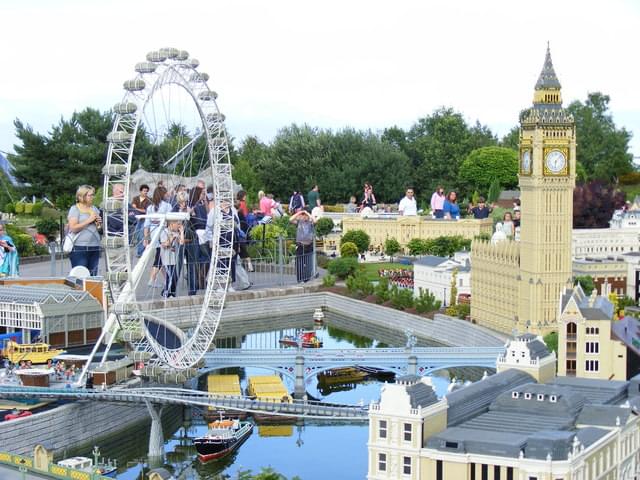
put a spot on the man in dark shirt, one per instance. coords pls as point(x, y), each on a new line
point(481, 210)
point(313, 198)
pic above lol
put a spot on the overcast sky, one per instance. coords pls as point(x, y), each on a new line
point(364, 64)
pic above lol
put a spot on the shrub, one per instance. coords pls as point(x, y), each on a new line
point(10, 208)
point(271, 234)
point(322, 261)
point(28, 208)
point(359, 237)
point(19, 207)
point(401, 298)
point(328, 280)
point(359, 284)
point(381, 290)
point(288, 228)
point(41, 249)
point(324, 226)
point(343, 267)
point(348, 249)
point(462, 310)
point(48, 212)
point(48, 227)
point(24, 244)
point(426, 302)
point(37, 208)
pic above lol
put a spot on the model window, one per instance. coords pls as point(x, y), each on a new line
point(382, 462)
point(382, 429)
point(407, 432)
point(592, 365)
point(406, 465)
point(593, 347)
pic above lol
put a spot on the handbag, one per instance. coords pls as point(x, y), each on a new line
point(69, 242)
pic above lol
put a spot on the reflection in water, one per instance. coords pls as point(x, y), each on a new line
point(293, 448)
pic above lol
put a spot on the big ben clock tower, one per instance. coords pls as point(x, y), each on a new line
point(547, 180)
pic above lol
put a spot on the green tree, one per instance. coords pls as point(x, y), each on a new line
point(324, 226)
point(437, 144)
point(417, 246)
point(72, 154)
point(551, 340)
point(586, 282)
point(359, 237)
point(486, 165)
point(251, 152)
point(512, 139)
point(391, 247)
point(603, 149)
point(446, 246)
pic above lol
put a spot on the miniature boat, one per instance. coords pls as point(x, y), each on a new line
point(222, 438)
point(92, 466)
point(17, 414)
point(36, 353)
point(308, 339)
point(337, 376)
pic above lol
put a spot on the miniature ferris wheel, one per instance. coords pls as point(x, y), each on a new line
point(168, 132)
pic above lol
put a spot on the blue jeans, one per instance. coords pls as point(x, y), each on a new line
point(87, 257)
point(138, 237)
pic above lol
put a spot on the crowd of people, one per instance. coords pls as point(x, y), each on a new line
point(177, 244)
point(186, 245)
point(400, 277)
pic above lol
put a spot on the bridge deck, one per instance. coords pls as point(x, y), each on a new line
point(297, 408)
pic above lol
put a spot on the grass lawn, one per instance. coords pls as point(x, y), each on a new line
point(371, 269)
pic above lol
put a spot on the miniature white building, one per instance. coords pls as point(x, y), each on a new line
point(622, 236)
point(434, 274)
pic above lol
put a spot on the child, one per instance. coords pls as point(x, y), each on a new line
point(172, 236)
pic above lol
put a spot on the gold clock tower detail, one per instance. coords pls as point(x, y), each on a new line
point(516, 286)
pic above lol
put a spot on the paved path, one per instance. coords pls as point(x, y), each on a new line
point(269, 276)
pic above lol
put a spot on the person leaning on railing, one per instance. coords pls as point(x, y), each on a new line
point(85, 224)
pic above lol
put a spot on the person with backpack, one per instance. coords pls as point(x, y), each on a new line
point(296, 203)
point(305, 236)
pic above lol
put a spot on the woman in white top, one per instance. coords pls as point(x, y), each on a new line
point(158, 205)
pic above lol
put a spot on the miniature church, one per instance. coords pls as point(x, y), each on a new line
point(516, 285)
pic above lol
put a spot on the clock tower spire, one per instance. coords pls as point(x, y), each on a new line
point(547, 180)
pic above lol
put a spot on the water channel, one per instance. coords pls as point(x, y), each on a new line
point(310, 449)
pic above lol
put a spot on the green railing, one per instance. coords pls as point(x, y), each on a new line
point(25, 464)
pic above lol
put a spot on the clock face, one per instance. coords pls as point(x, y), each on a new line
point(526, 161)
point(556, 161)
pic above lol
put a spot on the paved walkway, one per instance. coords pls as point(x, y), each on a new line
point(265, 276)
